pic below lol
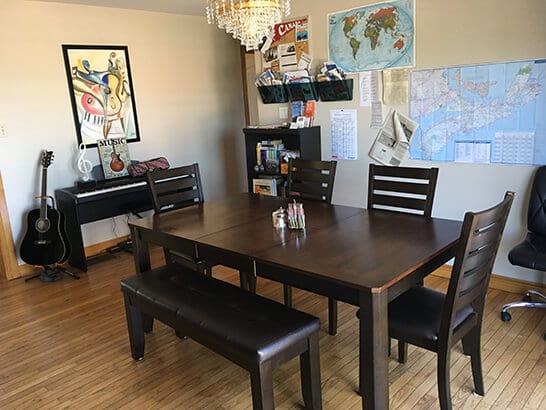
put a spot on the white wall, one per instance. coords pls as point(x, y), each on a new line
point(187, 83)
point(447, 33)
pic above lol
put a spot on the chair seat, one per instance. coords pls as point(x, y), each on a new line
point(531, 253)
point(416, 315)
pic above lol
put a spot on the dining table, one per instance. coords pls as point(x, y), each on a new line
point(362, 257)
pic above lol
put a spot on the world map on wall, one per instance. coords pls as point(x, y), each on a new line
point(491, 113)
point(372, 37)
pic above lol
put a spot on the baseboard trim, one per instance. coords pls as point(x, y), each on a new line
point(498, 282)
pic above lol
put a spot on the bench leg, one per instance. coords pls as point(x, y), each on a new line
point(135, 328)
point(261, 383)
point(310, 374)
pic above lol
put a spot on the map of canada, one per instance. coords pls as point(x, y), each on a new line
point(491, 113)
point(372, 37)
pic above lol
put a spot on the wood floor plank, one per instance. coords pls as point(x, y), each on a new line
point(65, 345)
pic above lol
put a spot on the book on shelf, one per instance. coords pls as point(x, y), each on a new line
point(285, 156)
point(267, 155)
point(264, 186)
point(114, 157)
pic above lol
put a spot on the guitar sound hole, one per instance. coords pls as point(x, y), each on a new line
point(42, 225)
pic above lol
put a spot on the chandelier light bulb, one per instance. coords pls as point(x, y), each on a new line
point(247, 21)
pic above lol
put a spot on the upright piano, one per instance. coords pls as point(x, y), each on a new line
point(105, 199)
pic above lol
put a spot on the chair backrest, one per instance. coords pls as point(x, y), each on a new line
point(402, 189)
point(479, 242)
point(311, 179)
point(536, 215)
point(175, 188)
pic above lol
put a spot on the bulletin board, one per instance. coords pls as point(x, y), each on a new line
point(286, 46)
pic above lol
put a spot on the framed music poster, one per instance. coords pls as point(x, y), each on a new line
point(101, 93)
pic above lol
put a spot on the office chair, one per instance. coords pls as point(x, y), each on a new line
point(314, 180)
point(176, 188)
point(531, 253)
point(437, 321)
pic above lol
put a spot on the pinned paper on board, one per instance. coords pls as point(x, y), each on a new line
point(391, 145)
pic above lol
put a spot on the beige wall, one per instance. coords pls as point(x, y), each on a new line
point(447, 33)
point(187, 83)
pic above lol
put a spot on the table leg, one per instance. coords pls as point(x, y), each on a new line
point(374, 366)
point(141, 252)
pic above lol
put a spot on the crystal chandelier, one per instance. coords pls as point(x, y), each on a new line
point(248, 21)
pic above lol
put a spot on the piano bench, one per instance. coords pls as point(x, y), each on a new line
point(255, 333)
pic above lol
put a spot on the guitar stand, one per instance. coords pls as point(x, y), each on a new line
point(52, 274)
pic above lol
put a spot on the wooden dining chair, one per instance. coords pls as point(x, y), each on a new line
point(436, 321)
point(402, 189)
point(176, 188)
point(310, 179)
point(399, 189)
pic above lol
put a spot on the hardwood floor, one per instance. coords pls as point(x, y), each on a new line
point(65, 345)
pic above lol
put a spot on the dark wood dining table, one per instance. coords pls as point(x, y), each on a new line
point(362, 257)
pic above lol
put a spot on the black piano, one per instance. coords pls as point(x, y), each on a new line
point(105, 199)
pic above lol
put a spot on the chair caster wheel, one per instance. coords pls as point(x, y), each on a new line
point(527, 297)
point(505, 316)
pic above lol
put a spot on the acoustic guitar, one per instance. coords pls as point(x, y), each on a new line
point(45, 242)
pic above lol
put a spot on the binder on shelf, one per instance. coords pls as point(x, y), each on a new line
point(336, 90)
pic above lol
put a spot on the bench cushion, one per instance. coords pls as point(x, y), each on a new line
point(237, 324)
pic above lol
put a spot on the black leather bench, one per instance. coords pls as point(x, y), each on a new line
point(256, 333)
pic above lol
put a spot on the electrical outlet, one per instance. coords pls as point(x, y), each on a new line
point(3, 131)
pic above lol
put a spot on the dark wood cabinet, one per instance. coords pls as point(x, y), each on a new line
point(305, 140)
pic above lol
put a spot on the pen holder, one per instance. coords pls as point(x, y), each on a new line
point(296, 216)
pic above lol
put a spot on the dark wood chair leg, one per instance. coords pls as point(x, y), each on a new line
point(472, 347)
point(180, 335)
point(147, 323)
point(402, 351)
point(332, 316)
point(444, 390)
point(168, 256)
point(261, 383)
point(287, 295)
point(252, 283)
point(310, 374)
point(135, 328)
point(205, 269)
point(247, 281)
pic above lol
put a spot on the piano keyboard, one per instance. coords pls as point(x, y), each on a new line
point(94, 119)
point(101, 191)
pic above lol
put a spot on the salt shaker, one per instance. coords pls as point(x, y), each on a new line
point(279, 218)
